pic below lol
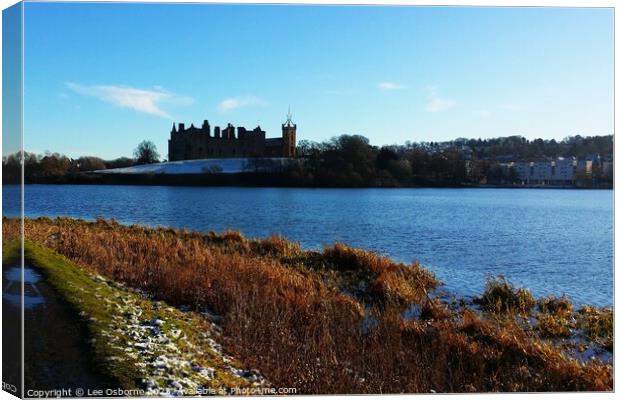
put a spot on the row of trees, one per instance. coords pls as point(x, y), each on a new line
point(50, 167)
point(351, 161)
point(521, 148)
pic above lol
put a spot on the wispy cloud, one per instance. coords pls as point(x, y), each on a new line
point(436, 103)
point(148, 101)
point(232, 103)
point(390, 86)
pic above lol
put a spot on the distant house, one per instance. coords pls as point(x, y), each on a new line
point(564, 171)
point(541, 172)
point(560, 171)
point(523, 171)
point(584, 168)
point(595, 158)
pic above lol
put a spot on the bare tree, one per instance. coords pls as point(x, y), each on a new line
point(146, 153)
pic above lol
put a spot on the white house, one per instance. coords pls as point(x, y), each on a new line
point(560, 171)
point(584, 168)
point(523, 170)
point(564, 171)
point(541, 172)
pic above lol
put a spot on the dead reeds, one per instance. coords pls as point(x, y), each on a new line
point(323, 322)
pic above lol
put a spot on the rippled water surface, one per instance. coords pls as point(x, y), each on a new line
point(551, 241)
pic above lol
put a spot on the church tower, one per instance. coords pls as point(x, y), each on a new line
point(289, 141)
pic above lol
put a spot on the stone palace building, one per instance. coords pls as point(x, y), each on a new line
point(199, 143)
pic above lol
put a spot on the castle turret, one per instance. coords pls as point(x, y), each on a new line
point(173, 134)
point(229, 132)
point(206, 128)
point(289, 133)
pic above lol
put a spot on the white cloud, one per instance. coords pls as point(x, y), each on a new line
point(148, 101)
point(232, 103)
point(437, 103)
point(390, 86)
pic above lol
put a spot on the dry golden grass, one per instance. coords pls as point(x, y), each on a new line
point(597, 324)
point(323, 322)
point(500, 296)
point(554, 326)
point(555, 317)
point(555, 305)
point(372, 278)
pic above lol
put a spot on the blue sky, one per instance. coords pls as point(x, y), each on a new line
point(11, 79)
point(99, 78)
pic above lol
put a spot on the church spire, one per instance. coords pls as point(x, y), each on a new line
point(289, 117)
point(174, 127)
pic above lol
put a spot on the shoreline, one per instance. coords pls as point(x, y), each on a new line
point(272, 283)
point(193, 181)
point(444, 293)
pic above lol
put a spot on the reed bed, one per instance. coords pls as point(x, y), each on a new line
point(326, 321)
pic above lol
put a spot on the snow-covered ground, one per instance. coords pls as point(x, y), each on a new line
point(212, 165)
point(172, 358)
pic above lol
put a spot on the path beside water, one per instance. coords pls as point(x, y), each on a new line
point(57, 352)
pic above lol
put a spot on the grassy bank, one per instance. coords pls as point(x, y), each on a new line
point(138, 342)
point(330, 321)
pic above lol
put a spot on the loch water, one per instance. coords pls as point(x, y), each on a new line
point(552, 241)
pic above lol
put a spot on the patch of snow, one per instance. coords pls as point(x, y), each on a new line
point(206, 166)
point(208, 373)
point(166, 358)
point(215, 346)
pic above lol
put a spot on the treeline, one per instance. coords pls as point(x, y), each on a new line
point(347, 161)
point(54, 167)
point(350, 160)
point(520, 148)
point(58, 168)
